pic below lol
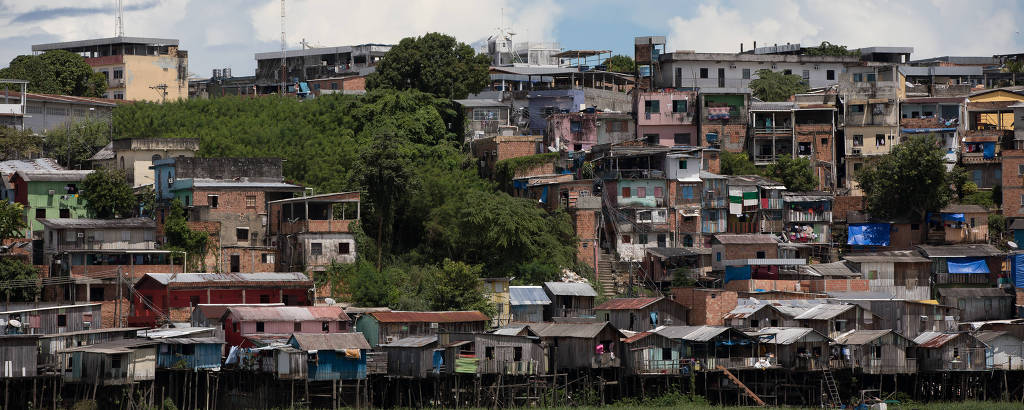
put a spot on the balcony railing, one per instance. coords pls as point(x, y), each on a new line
point(492, 366)
point(798, 216)
point(813, 128)
point(773, 130)
point(642, 366)
point(713, 226)
point(877, 366)
point(767, 159)
point(711, 363)
point(573, 312)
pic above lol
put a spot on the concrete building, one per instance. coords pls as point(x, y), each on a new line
point(485, 117)
point(137, 68)
point(45, 112)
point(667, 117)
point(315, 64)
point(703, 71)
point(797, 131)
point(579, 131)
point(48, 194)
point(871, 93)
point(136, 155)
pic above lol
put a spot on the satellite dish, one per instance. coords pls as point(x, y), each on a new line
point(1012, 244)
point(14, 322)
point(329, 301)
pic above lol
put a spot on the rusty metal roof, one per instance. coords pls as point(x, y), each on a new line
point(212, 280)
point(693, 333)
point(89, 223)
point(578, 330)
point(330, 341)
point(627, 303)
point(860, 337)
point(935, 339)
point(789, 335)
point(745, 239)
point(287, 313)
point(637, 337)
point(743, 311)
point(412, 342)
point(961, 250)
point(823, 311)
point(430, 317)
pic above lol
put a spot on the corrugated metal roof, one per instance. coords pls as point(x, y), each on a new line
point(773, 106)
point(105, 153)
point(579, 330)
point(112, 347)
point(987, 336)
point(242, 183)
point(833, 269)
point(354, 310)
point(886, 257)
point(215, 312)
point(692, 333)
point(627, 303)
point(173, 332)
point(59, 176)
point(480, 102)
point(330, 341)
point(823, 311)
point(963, 209)
point(745, 239)
point(934, 339)
point(430, 317)
point(510, 330)
point(527, 295)
point(570, 289)
point(192, 340)
point(638, 336)
point(412, 342)
point(859, 337)
point(743, 311)
point(287, 313)
point(204, 280)
point(973, 292)
point(787, 335)
point(38, 164)
point(952, 251)
point(89, 223)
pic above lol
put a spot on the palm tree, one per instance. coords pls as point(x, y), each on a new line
point(1013, 67)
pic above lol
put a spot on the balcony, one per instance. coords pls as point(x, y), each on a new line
point(316, 226)
point(781, 131)
point(979, 158)
point(518, 368)
point(645, 366)
point(801, 216)
point(573, 312)
point(633, 174)
point(768, 159)
point(814, 129)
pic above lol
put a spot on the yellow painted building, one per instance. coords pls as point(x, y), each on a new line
point(496, 291)
point(990, 109)
point(137, 68)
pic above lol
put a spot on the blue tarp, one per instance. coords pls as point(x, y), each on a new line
point(737, 273)
point(1018, 270)
point(953, 217)
point(967, 265)
point(544, 195)
point(868, 234)
point(990, 150)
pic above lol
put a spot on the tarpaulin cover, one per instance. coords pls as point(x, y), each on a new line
point(990, 150)
point(737, 273)
point(868, 234)
point(967, 265)
point(1018, 270)
point(953, 217)
point(544, 195)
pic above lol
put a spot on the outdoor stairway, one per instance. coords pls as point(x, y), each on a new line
point(833, 390)
point(742, 386)
point(604, 273)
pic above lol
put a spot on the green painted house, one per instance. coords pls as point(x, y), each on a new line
point(49, 194)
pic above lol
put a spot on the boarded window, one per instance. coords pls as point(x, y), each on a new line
point(626, 192)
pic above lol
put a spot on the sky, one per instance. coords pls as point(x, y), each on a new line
point(227, 33)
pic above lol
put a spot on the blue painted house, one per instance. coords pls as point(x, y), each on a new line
point(333, 356)
point(189, 353)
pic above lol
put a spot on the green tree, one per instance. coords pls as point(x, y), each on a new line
point(1014, 67)
point(829, 49)
point(434, 63)
point(57, 72)
point(18, 281)
point(73, 145)
point(386, 164)
point(997, 228)
point(19, 144)
point(363, 284)
point(907, 182)
point(795, 174)
point(737, 164)
point(620, 64)
point(12, 219)
point(958, 181)
point(146, 200)
point(107, 194)
point(179, 237)
point(773, 86)
point(457, 286)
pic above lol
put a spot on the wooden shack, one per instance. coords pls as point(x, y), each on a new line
point(976, 263)
point(50, 362)
point(508, 354)
point(333, 356)
point(796, 348)
point(189, 353)
point(756, 314)
point(833, 319)
point(527, 303)
point(414, 357)
point(239, 322)
point(1005, 351)
point(939, 351)
point(978, 304)
point(875, 352)
point(907, 317)
point(387, 327)
point(900, 274)
point(710, 346)
point(18, 355)
point(569, 300)
point(113, 363)
point(642, 314)
point(47, 320)
point(648, 353)
point(581, 345)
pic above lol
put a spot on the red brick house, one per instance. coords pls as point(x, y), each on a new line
point(243, 322)
point(706, 306)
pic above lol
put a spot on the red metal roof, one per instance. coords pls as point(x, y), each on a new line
point(430, 317)
point(939, 340)
point(287, 313)
point(626, 303)
point(636, 337)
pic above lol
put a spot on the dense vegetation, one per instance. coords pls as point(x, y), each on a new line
point(773, 86)
point(795, 173)
point(57, 72)
point(909, 181)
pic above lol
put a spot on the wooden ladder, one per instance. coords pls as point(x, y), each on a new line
point(833, 390)
point(742, 386)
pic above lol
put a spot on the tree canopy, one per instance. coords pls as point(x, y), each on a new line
point(57, 72)
point(795, 174)
point(737, 164)
point(107, 194)
point(434, 63)
point(72, 146)
point(773, 86)
point(829, 49)
point(179, 237)
point(18, 144)
point(20, 278)
point(907, 182)
point(12, 219)
point(620, 64)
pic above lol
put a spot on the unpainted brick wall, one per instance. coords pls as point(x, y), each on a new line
point(1013, 183)
point(706, 307)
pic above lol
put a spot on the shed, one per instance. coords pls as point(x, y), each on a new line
point(18, 354)
point(875, 352)
point(963, 223)
point(518, 354)
point(527, 303)
point(241, 321)
point(711, 346)
point(52, 319)
point(978, 304)
point(388, 327)
point(652, 353)
point(50, 361)
point(569, 299)
point(189, 353)
point(1005, 351)
point(901, 274)
point(907, 317)
point(978, 263)
point(939, 351)
point(642, 314)
point(334, 356)
point(754, 314)
point(580, 345)
point(113, 363)
point(210, 315)
point(414, 357)
point(797, 348)
point(833, 319)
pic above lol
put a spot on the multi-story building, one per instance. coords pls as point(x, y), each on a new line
point(579, 131)
point(755, 205)
point(136, 155)
point(137, 68)
point(667, 117)
point(48, 194)
point(808, 217)
point(724, 117)
point(735, 70)
point(315, 64)
point(871, 93)
point(1013, 173)
point(45, 112)
point(485, 117)
point(797, 131)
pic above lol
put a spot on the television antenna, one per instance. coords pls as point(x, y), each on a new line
point(119, 19)
point(284, 46)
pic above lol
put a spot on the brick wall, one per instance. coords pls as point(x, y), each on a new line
point(212, 228)
point(844, 204)
point(764, 284)
point(251, 259)
point(1020, 297)
point(586, 251)
point(732, 137)
point(749, 251)
point(1013, 183)
point(706, 307)
point(835, 285)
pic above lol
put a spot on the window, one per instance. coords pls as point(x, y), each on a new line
point(652, 106)
point(126, 236)
point(871, 77)
point(857, 166)
point(575, 126)
point(96, 294)
point(653, 139)
point(118, 96)
point(344, 248)
point(830, 75)
point(858, 77)
point(626, 239)
point(703, 73)
point(489, 352)
point(718, 256)
point(115, 362)
point(213, 201)
point(879, 140)
point(754, 323)
point(760, 255)
point(775, 322)
point(118, 73)
point(839, 325)
point(626, 192)
point(678, 106)
point(858, 140)
point(681, 139)
point(877, 352)
point(267, 258)
point(682, 164)
point(325, 326)
point(857, 108)
point(286, 300)
point(641, 192)
point(40, 212)
point(641, 239)
point(686, 192)
point(517, 354)
point(259, 327)
point(250, 201)
point(316, 248)
point(62, 320)
point(787, 72)
point(242, 234)
point(658, 192)
point(804, 148)
point(236, 263)
point(236, 327)
point(746, 73)
point(915, 227)
point(806, 75)
point(334, 86)
point(872, 274)
point(824, 141)
point(193, 300)
point(66, 213)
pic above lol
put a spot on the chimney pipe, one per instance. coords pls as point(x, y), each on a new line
point(755, 45)
point(741, 47)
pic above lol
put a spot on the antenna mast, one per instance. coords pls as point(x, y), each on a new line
point(284, 46)
point(119, 19)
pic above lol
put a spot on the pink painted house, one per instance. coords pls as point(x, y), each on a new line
point(666, 117)
point(578, 131)
point(241, 322)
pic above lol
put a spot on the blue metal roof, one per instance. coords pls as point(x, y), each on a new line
point(527, 295)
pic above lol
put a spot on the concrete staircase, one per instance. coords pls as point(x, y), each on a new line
point(605, 278)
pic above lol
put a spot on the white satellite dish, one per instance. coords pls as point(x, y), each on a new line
point(14, 322)
point(1012, 244)
point(329, 301)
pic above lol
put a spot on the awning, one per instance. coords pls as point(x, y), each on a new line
point(868, 234)
point(953, 217)
point(737, 273)
point(967, 265)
